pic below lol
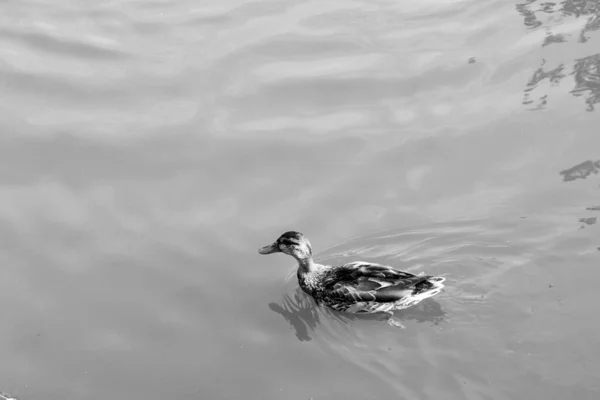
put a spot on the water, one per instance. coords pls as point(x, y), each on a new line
point(149, 148)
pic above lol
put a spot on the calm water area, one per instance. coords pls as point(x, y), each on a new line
point(149, 148)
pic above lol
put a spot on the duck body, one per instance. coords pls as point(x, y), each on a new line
point(363, 287)
point(356, 287)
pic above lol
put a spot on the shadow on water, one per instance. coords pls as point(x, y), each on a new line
point(304, 315)
point(586, 70)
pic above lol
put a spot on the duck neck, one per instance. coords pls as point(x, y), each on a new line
point(306, 265)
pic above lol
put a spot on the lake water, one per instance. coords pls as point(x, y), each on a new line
point(149, 148)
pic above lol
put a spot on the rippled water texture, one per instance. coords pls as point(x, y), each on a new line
point(149, 148)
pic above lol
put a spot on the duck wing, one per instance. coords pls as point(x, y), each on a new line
point(360, 281)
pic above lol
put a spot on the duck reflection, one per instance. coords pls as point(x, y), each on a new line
point(304, 315)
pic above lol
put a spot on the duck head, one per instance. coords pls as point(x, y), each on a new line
point(291, 243)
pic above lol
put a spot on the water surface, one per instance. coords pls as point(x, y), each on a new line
point(148, 149)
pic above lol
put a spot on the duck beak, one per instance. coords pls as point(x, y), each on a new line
point(272, 248)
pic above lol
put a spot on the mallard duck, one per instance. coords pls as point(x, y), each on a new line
point(356, 287)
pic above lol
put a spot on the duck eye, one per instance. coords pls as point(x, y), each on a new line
point(287, 243)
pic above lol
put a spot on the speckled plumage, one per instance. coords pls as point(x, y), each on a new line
point(356, 287)
point(362, 287)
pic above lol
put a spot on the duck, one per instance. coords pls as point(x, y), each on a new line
point(357, 287)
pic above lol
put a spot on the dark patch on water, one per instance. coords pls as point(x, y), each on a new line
point(553, 38)
point(581, 171)
point(532, 10)
point(585, 71)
